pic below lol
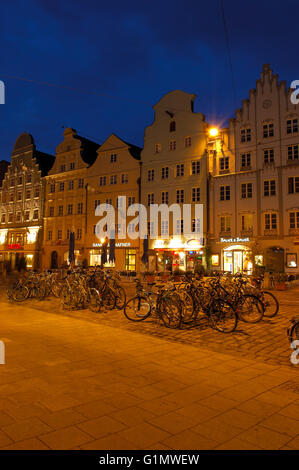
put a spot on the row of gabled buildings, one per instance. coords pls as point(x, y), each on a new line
point(246, 176)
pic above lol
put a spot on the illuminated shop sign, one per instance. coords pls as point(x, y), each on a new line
point(14, 246)
point(117, 245)
point(234, 240)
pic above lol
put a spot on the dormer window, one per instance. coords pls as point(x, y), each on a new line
point(113, 158)
point(172, 126)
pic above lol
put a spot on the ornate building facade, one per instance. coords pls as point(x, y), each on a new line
point(22, 203)
point(174, 170)
point(66, 200)
point(254, 183)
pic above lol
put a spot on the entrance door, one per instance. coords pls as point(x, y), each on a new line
point(54, 260)
point(238, 262)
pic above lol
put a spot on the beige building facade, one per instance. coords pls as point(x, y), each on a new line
point(22, 204)
point(174, 171)
point(66, 200)
point(114, 174)
point(254, 183)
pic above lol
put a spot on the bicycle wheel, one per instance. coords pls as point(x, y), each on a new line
point(137, 309)
point(188, 307)
point(270, 303)
point(57, 288)
point(109, 298)
point(20, 293)
point(120, 297)
point(294, 332)
point(95, 300)
point(250, 309)
point(223, 317)
point(66, 298)
point(40, 291)
point(170, 311)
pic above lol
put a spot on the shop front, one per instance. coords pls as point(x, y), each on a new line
point(19, 248)
point(126, 256)
point(234, 256)
point(175, 255)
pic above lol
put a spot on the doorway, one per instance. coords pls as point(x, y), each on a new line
point(54, 260)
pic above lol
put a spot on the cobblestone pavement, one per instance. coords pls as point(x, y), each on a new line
point(78, 381)
point(266, 341)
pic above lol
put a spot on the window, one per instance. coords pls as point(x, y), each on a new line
point(245, 160)
point(292, 126)
point(97, 202)
point(108, 202)
point(28, 194)
point(12, 182)
point(271, 221)
point(124, 178)
point(246, 190)
point(158, 148)
point(245, 135)
point(71, 184)
point(196, 225)
point(52, 188)
point(113, 179)
point(180, 169)
point(102, 181)
point(224, 193)
point(268, 155)
point(130, 260)
point(293, 185)
point(188, 141)
point(59, 234)
point(172, 126)
point(27, 216)
point(50, 234)
point(195, 167)
point(3, 218)
point(60, 210)
point(164, 173)
point(131, 227)
point(224, 163)
point(247, 222)
point(268, 130)
point(180, 226)
point(51, 211)
point(80, 208)
point(35, 214)
point(29, 178)
point(72, 165)
point(10, 217)
point(195, 194)
point(61, 186)
point(164, 198)
point(180, 196)
point(172, 145)
point(62, 168)
point(293, 152)
point(225, 224)
point(79, 233)
point(131, 200)
point(36, 192)
point(20, 180)
point(150, 199)
point(150, 175)
point(19, 196)
point(18, 218)
point(113, 158)
point(70, 209)
point(80, 183)
point(294, 219)
point(269, 188)
point(11, 197)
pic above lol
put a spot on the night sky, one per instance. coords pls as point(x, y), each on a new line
point(121, 57)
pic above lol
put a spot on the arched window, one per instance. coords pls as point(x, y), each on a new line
point(172, 126)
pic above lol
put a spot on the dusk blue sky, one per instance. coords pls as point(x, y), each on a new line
point(129, 54)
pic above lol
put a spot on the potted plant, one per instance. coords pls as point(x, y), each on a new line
point(149, 276)
point(177, 274)
point(281, 281)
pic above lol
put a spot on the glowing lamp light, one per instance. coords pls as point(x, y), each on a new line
point(213, 132)
point(32, 235)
